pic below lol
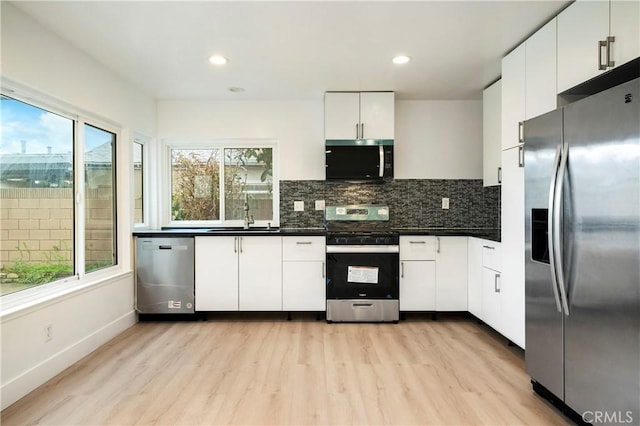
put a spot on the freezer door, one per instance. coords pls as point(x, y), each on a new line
point(543, 328)
point(602, 254)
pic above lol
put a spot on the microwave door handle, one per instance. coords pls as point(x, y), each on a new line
point(381, 169)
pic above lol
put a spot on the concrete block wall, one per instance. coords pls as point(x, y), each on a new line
point(36, 225)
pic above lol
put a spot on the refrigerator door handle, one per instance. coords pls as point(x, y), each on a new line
point(557, 248)
point(550, 228)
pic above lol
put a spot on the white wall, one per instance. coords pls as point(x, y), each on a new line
point(296, 125)
point(36, 62)
point(438, 140)
point(434, 139)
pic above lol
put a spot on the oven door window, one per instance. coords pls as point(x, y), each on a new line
point(362, 276)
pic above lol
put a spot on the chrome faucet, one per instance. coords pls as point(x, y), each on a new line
point(248, 220)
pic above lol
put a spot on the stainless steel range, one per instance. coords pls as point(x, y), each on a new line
point(362, 265)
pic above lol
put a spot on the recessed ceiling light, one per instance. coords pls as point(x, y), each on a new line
point(218, 60)
point(401, 59)
point(236, 89)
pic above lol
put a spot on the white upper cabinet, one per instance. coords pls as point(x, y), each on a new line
point(377, 115)
point(594, 37)
point(491, 133)
point(513, 97)
point(625, 27)
point(341, 115)
point(541, 71)
point(359, 115)
point(528, 83)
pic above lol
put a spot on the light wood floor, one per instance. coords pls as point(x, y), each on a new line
point(265, 370)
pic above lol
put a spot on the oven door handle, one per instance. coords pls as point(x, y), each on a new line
point(363, 249)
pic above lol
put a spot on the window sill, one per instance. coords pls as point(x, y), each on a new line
point(24, 301)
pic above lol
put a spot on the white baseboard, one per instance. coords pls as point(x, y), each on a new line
point(36, 376)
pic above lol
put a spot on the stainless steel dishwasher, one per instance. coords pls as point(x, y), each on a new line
point(165, 275)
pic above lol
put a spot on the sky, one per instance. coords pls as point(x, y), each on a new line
point(40, 129)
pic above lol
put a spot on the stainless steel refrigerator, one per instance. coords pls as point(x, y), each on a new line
point(582, 255)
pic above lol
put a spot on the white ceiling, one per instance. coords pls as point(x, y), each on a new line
point(298, 49)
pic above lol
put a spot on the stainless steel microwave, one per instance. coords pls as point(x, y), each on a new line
point(359, 160)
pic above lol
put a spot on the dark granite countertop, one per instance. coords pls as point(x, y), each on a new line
point(484, 233)
point(488, 234)
point(212, 232)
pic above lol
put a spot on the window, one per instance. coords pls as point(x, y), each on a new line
point(39, 221)
point(213, 184)
point(138, 183)
point(99, 200)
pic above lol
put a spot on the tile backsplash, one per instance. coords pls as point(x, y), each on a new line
point(413, 203)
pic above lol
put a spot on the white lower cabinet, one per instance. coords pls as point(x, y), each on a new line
point(303, 274)
point(216, 263)
point(451, 273)
point(491, 304)
point(238, 273)
point(474, 297)
point(417, 273)
point(417, 285)
point(260, 274)
point(433, 273)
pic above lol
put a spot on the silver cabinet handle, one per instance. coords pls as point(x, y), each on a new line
point(520, 131)
point(521, 156)
point(601, 44)
point(489, 247)
point(499, 174)
point(437, 244)
point(303, 242)
point(401, 269)
point(361, 130)
point(235, 244)
point(551, 228)
point(381, 167)
point(240, 238)
point(323, 274)
point(357, 131)
point(496, 279)
point(610, 63)
point(417, 242)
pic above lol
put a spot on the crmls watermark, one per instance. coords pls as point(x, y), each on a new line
point(608, 417)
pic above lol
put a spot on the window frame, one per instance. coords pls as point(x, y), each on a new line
point(145, 141)
point(221, 144)
point(80, 278)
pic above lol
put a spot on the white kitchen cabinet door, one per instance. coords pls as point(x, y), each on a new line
point(580, 27)
point(417, 247)
point(377, 115)
point(303, 249)
point(418, 285)
point(474, 280)
point(341, 115)
point(512, 219)
point(491, 304)
point(451, 274)
point(541, 88)
point(216, 265)
point(491, 133)
point(513, 97)
point(260, 278)
point(625, 27)
point(303, 286)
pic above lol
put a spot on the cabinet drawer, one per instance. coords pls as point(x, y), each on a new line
point(491, 255)
point(303, 248)
point(417, 247)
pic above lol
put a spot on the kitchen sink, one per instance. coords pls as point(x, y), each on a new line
point(251, 229)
